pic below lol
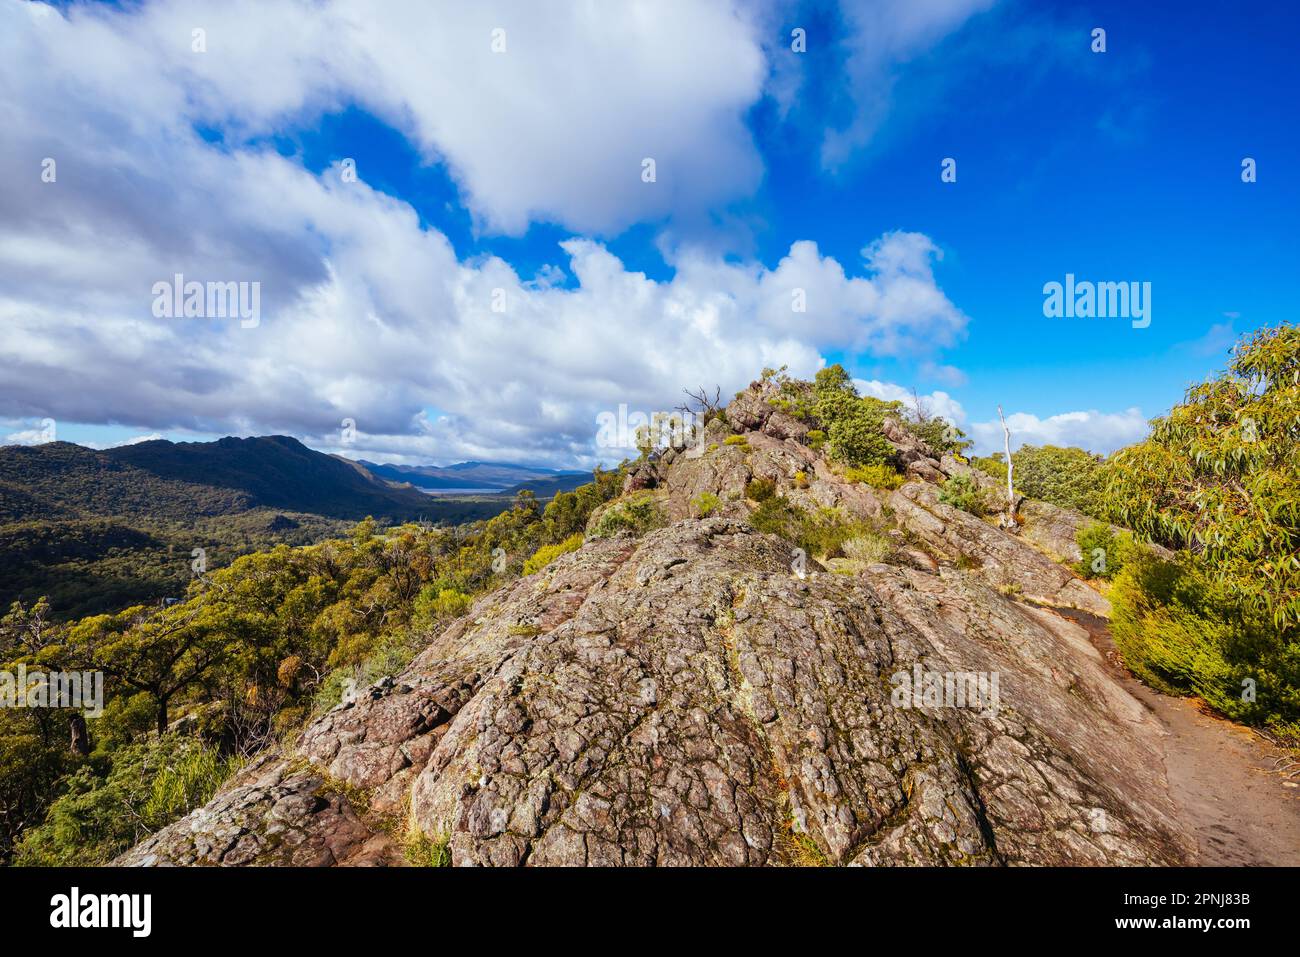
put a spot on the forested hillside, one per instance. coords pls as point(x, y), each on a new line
point(99, 530)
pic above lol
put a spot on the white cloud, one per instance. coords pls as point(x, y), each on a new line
point(934, 403)
point(27, 437)
point(554, 128)
point(1099, 432)
point(367, 313)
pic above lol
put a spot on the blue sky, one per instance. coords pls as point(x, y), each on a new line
point(1115, 166)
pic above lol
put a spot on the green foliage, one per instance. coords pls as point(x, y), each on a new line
point(1064, 476)
point(853, 424)
point(877, 476)
point(253, 648)
point(1220, 476)
point(737, 440)
point(960, 491)
point(1105, 552)
point(937, 432)
point(435, 603)
point(1182, 632)
point(146, 788)
point(794, 397)
point(816, 439)
point(549, 553)
point(821, 533)
point(705, 504)
point(637, 513)
point(868, 547)
point(34, 756)
point(423, 851)
point(760, 490)
point(993, 466)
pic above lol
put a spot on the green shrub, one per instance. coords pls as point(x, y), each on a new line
point(1219, 478)
point(705, 504)
point(1182, 633)
point(877, 476)
point(853, 424)
point(1068, 477)
point(991, 465)
point(435, 603)
point(737, 440)
point(147, 787)
point(868, 547)
point(937, 432)
point(1104, 552)
point(760, 490)
point(423, 851)
point(549, 553)
point(637, 513)
point(821, 533)
point(816, 439)
point(960, 491)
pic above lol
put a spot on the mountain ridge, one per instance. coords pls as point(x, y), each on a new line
point(96, 530)
point(686, 687)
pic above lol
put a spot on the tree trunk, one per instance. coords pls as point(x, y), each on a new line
point(80, 742)
point(1009, 520)
point(162, 716)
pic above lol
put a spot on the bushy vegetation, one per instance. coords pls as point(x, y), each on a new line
point(549, 553)
point(1219, 479)
point(854, 424)
point(821, 533)
point(1104, 551)
point(705, 504)
point(1068, 477)
point(248, 655)
point(868, 547)
point(961, 491)
point(760, 489)
point(637, 513)
point(146, 787)
point(850, 425)
point(883, 477)
point(1183, 632)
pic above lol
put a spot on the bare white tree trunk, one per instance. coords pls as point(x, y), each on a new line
point(1009, 520)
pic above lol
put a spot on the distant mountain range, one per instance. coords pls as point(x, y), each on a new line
point(481, 477)
point(96, 530)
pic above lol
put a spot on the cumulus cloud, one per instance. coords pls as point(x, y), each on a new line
point(1099, 432)
point(539, 111)
point(368, 313)
point(935, 403)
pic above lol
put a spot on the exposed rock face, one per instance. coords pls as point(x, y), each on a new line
point(685, 698)
point(1003, 559)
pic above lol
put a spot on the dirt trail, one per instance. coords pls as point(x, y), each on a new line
point(1218, 774)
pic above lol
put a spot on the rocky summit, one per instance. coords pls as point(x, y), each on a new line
point(704, 693)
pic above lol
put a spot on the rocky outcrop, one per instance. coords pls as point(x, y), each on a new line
point(697, 696)
point(1003, 560)
point(686, 699)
